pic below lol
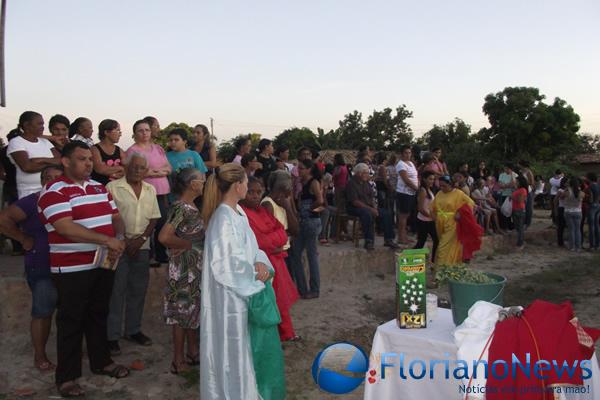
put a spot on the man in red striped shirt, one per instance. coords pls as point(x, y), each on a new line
point(81, 217)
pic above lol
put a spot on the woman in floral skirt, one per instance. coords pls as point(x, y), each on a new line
point(183, 235)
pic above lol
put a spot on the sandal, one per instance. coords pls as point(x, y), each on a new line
point(192, 360)
point(45, 366)
point(296, 338)
point(117, 371)
point(70, 389)
point(175, 369)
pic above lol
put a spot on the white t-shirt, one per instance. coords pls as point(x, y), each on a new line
point(28, 183)
point(412, 174)
point(554, 185)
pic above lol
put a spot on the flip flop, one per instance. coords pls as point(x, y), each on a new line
point(175, 369)
point(70, 389)
point(45, 366)
point(192, 359)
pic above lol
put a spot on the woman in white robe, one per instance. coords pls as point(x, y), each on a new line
point(234, 270)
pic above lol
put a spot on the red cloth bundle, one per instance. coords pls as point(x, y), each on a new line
point(468, 232)
point(558, 337)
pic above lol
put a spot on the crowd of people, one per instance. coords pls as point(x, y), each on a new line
point(92, 218)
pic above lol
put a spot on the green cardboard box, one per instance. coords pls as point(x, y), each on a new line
point(411, 291)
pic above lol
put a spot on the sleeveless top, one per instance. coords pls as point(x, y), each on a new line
point(280, 215)
point(307, 199)
point(205, 154)
point(427, 205)
point(111, 160)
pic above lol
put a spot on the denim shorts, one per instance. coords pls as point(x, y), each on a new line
point(44, 297)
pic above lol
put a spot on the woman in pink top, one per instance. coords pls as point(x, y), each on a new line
point(159, 169)
point(158, 165)
point(425, 222)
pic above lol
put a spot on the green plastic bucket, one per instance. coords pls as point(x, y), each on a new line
point(464, 295)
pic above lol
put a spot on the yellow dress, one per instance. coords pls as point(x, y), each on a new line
point(444, 206)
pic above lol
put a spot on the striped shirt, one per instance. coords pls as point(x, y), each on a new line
point(89, 205)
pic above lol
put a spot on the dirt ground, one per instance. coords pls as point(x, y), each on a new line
point(348, 310)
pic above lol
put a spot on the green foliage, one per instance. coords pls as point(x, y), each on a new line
point(546, 169)
point(295, 138)
point(448, 136)
point(383, 130)
point(386, 131)
point(457, 143)
point(329, 140)
point(523, 126)
point(461, 273)
point(352, 132)
point(588, 143)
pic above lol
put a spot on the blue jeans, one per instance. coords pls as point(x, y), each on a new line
point(366, 222)
point(529, 209)
point(306, 239)
point(573, 222)
point(593, 221)
point(43, 298)
point(519, 217)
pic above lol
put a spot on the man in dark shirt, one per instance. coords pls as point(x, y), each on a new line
point(20, 222)
point(361, 203)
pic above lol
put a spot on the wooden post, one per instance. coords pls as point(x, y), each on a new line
point(2, 70)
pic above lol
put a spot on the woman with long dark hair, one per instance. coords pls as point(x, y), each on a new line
point(81, 129)
point(309, 206)
point(243, 146)
point(572, 199)
point(107, 156)
point(205, 147)
point(264, 155)
point(425, 220)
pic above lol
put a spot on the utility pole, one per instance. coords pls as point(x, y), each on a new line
point(212, 133)
point(2, 70)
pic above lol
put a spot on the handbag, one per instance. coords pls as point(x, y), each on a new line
point(506, 208)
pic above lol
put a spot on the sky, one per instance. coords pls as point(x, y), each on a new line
point(264, 66)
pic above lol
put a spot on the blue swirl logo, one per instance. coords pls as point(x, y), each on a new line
point(340, 368)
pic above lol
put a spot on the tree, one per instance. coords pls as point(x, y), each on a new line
point(447, 137)
point(588, 143)
point(352, 132)
point(329, 140)
point(522, 125)
point(295, 138)
point(388, 132)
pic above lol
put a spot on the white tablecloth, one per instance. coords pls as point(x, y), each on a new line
point(435, 342)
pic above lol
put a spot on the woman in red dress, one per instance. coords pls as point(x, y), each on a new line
point(271, 237)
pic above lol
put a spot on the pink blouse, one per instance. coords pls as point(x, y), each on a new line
point(156, 159)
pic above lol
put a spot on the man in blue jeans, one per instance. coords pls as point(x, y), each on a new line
point(361, 203)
